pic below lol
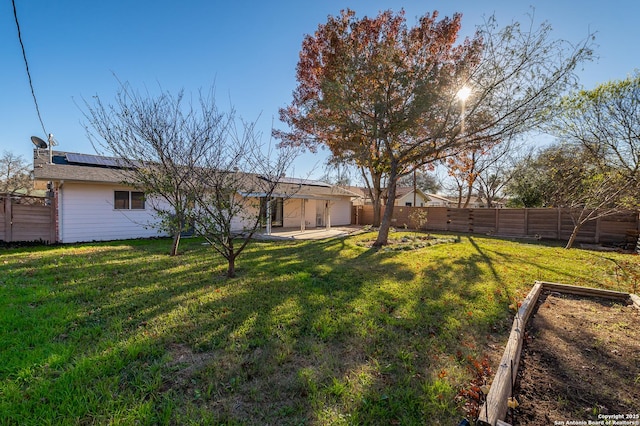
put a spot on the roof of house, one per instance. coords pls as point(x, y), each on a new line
point(358, 191)
point(74, 167)
point(61, 168)
point(436, 197)
point(401, 191)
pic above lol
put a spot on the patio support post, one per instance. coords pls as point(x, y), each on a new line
point(302, 215)
point(327, 210)
point(268, 216)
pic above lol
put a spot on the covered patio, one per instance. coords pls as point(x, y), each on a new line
point(305, 205)
point(310, 234)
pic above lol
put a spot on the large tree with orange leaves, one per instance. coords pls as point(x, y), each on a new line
point(382, 96)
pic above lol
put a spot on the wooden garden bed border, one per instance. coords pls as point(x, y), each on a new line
point(494, 409)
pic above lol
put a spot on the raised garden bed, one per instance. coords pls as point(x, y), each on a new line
point(579, 359)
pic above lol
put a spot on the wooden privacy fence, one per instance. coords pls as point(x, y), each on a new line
point(549, 223)
point(27, 218)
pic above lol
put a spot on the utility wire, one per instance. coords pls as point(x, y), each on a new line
point(26, 64)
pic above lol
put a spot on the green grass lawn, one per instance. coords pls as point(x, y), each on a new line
point(311, 332)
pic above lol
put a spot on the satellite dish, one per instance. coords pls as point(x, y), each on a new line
point(39, 143)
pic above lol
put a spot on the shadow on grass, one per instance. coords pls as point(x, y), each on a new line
point(309, 332)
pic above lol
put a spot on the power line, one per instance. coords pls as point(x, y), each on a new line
point(26, 64)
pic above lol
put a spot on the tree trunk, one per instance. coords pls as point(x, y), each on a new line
point(376, 201)
point(231, 270)
point(573, 236)
point(468, 198)
point(176, 243)
point(489, 201)
point(231, 258)
point(385, 224)
point(375, 192)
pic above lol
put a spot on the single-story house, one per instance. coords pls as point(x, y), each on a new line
point(92, 203)
point(436, 200)
point(404, 197)
point(476, 202)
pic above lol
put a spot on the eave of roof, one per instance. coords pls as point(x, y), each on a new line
point(74, 173)
point(61, 170)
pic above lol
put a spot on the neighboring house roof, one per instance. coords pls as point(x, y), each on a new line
point(360, 192)
point(401, 191)
point(75, 167)
point(440, 198)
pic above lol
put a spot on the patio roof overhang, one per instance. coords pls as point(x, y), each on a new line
point(296, 196)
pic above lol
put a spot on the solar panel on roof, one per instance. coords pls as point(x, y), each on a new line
point(94, 160)
point(306, 182)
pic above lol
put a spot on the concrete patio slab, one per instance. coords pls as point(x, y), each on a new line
point(310, 234)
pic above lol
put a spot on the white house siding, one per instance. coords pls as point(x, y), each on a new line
point(340, 213)
point(292, 210)
point(408, 198)
point(247, 218)
point(309, 214)
point(86, 213)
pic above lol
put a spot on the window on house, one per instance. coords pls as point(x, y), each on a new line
point(137, 200)
point(407, 204)
point(128, 200)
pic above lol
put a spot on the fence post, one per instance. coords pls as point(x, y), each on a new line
point(526, 221)
point(597, 234)
point(559, 223)
point(8, 231)
point(638, 228)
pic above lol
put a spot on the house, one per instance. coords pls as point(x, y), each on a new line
point(475, 202)
point(438, 201)
point(404, 197)
point(361, 195)
point(93, 204)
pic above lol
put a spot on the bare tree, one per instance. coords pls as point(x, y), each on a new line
point(572, 180)
point(606, 121)
point(160, 140)
point(496, 168)
point(15, 174)
point(193, 164)
point(421, 179)
point(234, 192)
point(337, 173)
point(603, 125)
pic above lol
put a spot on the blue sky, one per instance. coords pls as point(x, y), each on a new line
point(248, 50)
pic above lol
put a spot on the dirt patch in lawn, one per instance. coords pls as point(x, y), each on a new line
point(580, 362)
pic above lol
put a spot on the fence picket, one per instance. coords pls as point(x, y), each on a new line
point(550, 223)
